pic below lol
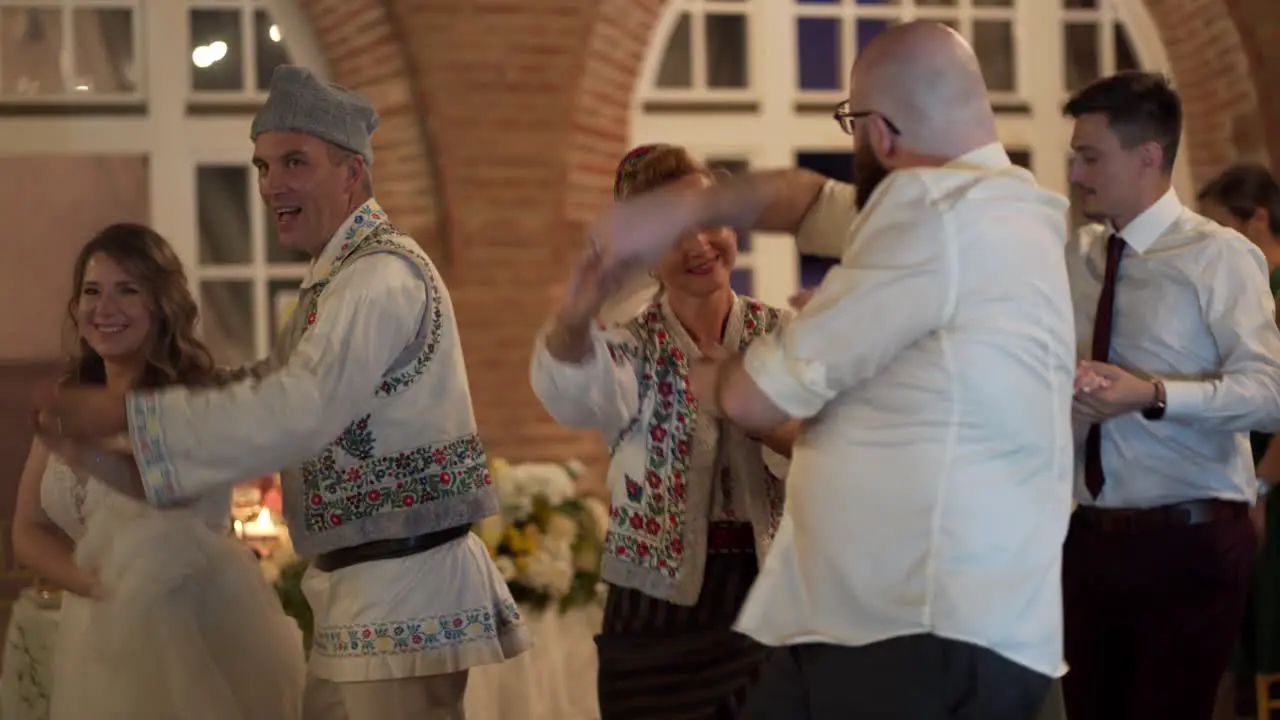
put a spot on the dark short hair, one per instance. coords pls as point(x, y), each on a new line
point(1242, 190)
point(1140, 107)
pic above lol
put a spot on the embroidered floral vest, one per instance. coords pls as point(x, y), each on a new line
point(656, 516)
point(410, 462)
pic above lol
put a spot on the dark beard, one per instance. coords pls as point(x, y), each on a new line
point(868, 173)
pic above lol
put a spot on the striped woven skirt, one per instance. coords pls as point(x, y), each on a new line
point(660, 661)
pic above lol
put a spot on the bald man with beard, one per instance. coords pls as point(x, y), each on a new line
point(917, 570)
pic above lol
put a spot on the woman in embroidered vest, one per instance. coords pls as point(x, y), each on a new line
point(694, 504)
point(1246, 198)
point(164, 615)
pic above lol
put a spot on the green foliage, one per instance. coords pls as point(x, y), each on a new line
point(289, 589)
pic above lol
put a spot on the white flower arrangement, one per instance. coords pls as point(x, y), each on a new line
point(547, 540)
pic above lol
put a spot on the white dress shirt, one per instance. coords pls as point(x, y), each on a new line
point(930, 488)
point(1193, 307)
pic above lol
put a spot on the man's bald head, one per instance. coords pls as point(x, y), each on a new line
point(924, 79)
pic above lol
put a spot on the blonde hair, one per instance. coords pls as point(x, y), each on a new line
point(649, 167)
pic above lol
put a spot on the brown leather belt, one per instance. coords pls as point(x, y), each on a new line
point(387, 549)
point(1194, 512)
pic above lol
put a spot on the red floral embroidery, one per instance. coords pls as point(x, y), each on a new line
point(648, 529)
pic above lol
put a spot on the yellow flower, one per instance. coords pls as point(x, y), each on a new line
point(498, 466)
point(491, 529)
point(523, 542)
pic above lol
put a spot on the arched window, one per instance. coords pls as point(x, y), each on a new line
point(752, 83)
point(169, 88)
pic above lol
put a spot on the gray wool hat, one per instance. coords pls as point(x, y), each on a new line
point(300, 102)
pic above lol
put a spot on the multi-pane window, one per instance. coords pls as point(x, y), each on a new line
point(235, 46)
point(829, 34)
point(248, 282)
point(1095, 43)
point(795, 57)
point(70, 51)
point(706, 49)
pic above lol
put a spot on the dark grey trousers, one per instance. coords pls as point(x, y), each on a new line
point(1053, 707)
point(918, 677)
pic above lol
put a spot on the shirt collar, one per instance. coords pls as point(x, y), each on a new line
point(991, 155)
point(1143, 231)
point(356, 226)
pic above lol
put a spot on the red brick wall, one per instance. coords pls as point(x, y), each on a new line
point(16, 382)
point(514, 111)
point(1258, 22)
point(36, 274)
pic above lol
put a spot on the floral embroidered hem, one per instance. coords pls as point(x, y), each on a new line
point(422, 646)
point(440, 611)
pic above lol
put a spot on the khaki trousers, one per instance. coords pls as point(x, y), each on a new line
point(430, 697)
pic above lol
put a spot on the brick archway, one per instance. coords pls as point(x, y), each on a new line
point(1217, 52)
point(367, 52)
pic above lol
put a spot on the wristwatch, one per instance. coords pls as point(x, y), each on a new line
point(1155, 411)
point(1264, 487)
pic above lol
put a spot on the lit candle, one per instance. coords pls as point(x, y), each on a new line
point(261, 527)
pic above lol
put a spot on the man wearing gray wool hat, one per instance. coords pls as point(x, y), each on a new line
point(365, 400)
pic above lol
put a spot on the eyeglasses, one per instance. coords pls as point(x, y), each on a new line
point(849, 120)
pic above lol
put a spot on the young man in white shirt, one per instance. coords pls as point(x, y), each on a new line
point(1180, 360)
point(917, 570)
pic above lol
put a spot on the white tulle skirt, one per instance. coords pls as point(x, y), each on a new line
point(188, 628)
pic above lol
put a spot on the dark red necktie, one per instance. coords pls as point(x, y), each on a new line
point(1094, 479)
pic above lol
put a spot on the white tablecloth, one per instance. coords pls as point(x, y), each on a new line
point(554, 681)
point(28, 652)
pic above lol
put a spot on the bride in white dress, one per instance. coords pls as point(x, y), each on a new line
point(164, 616)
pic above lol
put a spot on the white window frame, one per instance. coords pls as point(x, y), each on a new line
point(773, 134)
point(88, 99)
point(698, 10)
point(174, 141)
point(963, 13)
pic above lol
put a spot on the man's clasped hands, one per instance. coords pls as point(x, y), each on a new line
point(1103, 391)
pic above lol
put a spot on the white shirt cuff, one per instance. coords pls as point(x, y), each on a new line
point(1184, 399)
point(797, 388)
